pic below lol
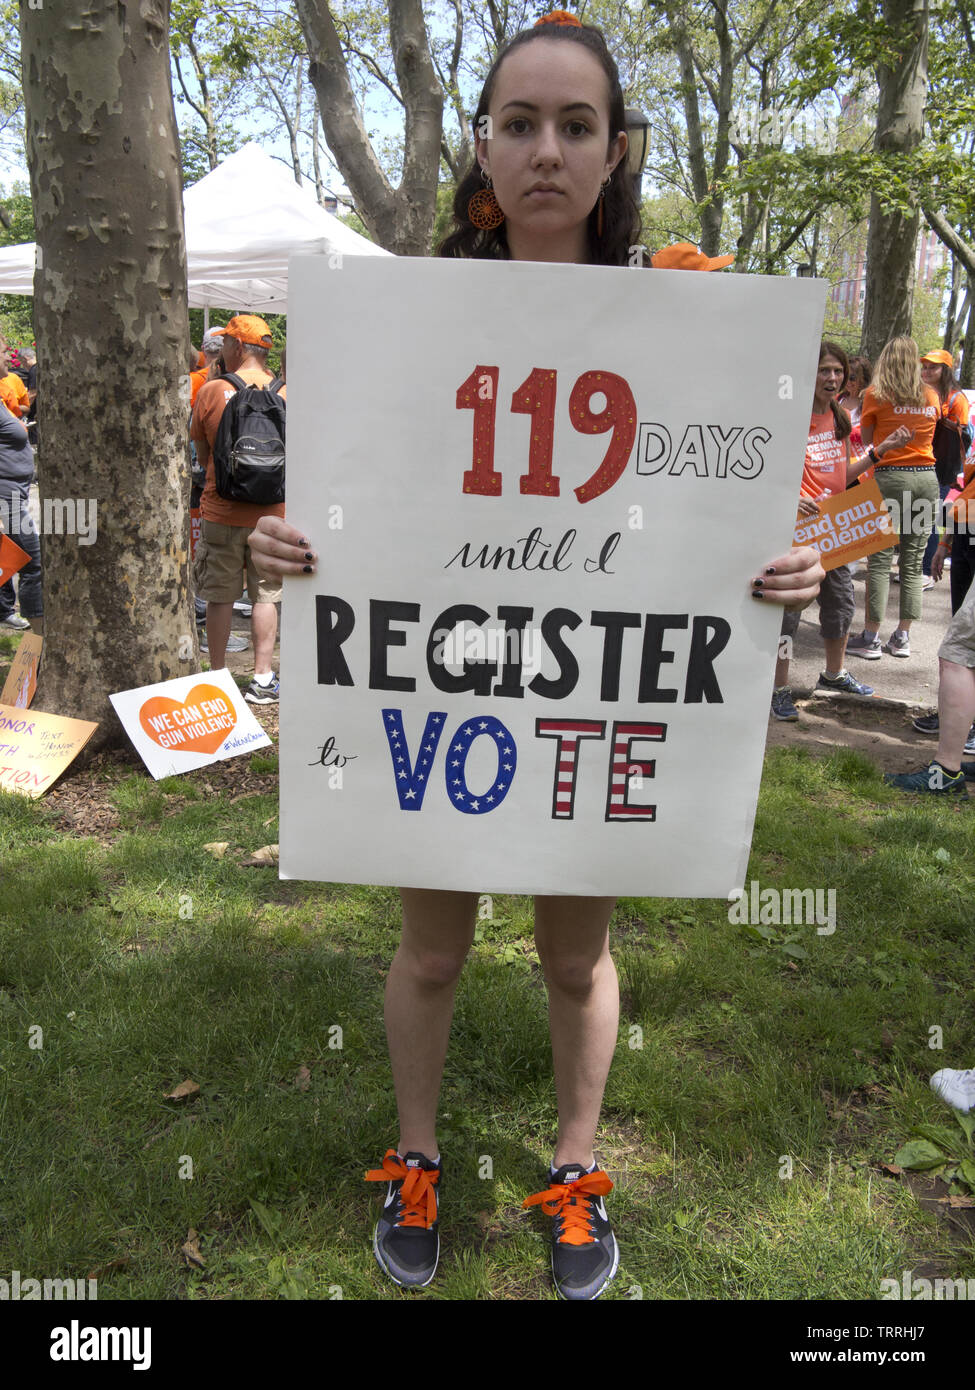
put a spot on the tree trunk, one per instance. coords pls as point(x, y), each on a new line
point(892, 238)
point(316, 161)
point(112, 338)
point(949, 337)
point(401, 219)
point(967, 373)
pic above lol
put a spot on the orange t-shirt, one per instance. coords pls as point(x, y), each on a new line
point(14, 395)
point(196, 381)
point(211, 401)
point(884, 417)
point(957, 408)
point(824, 471)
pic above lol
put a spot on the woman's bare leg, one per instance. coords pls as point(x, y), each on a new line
point(572, 937)
point(438, 928)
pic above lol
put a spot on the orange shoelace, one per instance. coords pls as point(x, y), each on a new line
point(571, 1202)
point(417, 1197)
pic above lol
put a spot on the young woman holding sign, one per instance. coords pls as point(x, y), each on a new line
point(560, 193)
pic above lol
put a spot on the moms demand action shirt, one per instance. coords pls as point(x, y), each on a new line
point(824, 471)
point(883, 417)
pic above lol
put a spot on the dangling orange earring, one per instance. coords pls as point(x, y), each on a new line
point(484, 210)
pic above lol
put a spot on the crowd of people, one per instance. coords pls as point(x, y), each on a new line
point(18, 395)
point(906, 423)
point(241, 347)
point(550, 184)
point(222, 557)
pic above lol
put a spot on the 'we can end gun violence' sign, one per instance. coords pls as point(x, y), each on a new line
point(529, 660)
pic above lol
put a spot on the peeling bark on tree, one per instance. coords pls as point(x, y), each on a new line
point(112, 343)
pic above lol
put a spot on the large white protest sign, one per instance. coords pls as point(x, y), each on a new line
point(530, 660)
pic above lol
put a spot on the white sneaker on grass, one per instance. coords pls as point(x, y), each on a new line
point(955, 1087)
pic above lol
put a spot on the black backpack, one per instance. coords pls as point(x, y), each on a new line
point(248, 452)
point(950, 448)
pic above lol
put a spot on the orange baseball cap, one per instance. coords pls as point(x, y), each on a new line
point(248, 328)
point(685, 256)
point(939, 357)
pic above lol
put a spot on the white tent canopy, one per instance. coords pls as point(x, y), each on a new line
point(242, 222)
point(17, 269)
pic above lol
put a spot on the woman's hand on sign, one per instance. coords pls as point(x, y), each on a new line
point(279, 549)
point(792, 580)
point(808, 507)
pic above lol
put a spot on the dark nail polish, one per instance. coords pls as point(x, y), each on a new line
point(757, 593)
point(309, 555)
point(304, 542)
point(757, 583)
point(307, 569)
point(770, 570)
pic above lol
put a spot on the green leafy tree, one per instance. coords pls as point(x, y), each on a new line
point(401, 218)
point(210, 85)
point(17, 310)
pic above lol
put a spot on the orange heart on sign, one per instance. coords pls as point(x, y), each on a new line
point(198, 724)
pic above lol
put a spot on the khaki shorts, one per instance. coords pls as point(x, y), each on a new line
point(959, 643)
point(836, 606)
point(222, 555)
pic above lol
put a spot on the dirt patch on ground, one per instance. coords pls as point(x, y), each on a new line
point(881, 732)
point(83, 800)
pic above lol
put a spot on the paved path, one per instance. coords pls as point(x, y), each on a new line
point(905, 680)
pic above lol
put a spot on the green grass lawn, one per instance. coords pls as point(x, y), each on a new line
point(145, 961)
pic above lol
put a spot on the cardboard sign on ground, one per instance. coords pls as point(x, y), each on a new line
point(530, 660)
point(21, 679)
point(12, 558)
point(186, 723)
point(35, 748)
point(849, 526)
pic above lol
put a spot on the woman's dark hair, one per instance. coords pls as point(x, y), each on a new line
point(946, 382)
point(844, 425)
point(864, 366)
point(621, 215)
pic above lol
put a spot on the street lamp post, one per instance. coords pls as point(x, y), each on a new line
point(638, 136)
